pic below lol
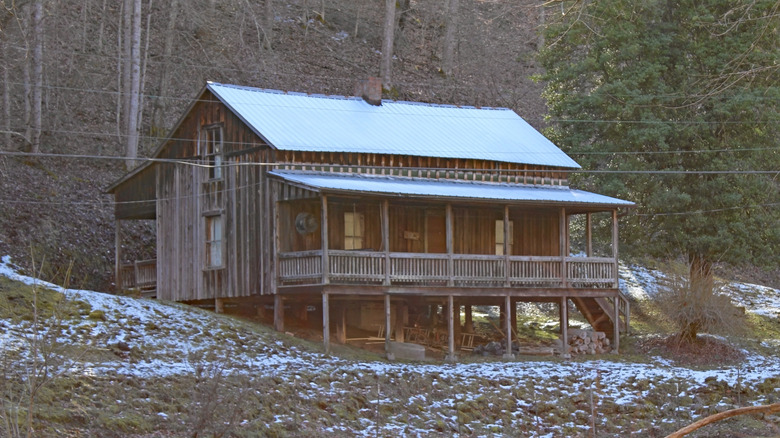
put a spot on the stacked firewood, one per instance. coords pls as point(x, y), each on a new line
point(588, 342)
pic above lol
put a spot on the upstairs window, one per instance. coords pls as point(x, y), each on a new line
point(215, 233)
point(354, 230)
point(211, 150)
point(500, 238)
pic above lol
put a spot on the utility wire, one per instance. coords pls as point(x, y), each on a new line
point(227, 164)
point(543, 119)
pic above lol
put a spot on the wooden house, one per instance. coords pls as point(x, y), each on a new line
point(372, 212)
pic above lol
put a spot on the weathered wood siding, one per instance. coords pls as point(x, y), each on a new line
point(186, 197)
point(423, 167)
point(372, 238)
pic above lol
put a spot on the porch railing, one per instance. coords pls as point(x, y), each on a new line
point(141, 274)
point(374, 267)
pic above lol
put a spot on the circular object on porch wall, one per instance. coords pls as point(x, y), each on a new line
point(305, 223)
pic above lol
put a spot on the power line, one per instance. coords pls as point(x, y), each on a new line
point(716, 210)
point(227, 164)
point(543, 119)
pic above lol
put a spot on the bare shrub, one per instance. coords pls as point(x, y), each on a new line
point(39, 357)
point(217, 401)
point(693, 302)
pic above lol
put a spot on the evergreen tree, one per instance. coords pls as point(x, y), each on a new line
point(683, 95)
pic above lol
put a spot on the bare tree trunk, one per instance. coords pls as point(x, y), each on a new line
point(269, 24)
point(6, 99)
point(131, 149)
point(37, 72)
point(450, 38)
point(702, 284)
point(127, 65)
point(386, 65)
point(142, 79)
point(161, 102)
point(121, 54)
point(102, 27)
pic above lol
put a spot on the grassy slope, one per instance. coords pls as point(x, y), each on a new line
point(129, 367)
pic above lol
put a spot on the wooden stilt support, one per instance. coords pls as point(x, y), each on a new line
point(507, 305)
point(468, 326)
point(513, 315)
point(450, 331)
point(219, 305)
point(278, 313)
point(388, 327)
point(616, 326)
point(400, 307)
point(118, 256)
point(341, 324)
point(326, 322)
point(563, 307)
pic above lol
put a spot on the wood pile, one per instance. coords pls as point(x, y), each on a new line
point(588, 342)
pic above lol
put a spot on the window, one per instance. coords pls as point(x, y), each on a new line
point(211, 150)
point(214, 238)
point(354, 230)
point(500, 237)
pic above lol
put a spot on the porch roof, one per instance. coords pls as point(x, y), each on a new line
point(384, 185)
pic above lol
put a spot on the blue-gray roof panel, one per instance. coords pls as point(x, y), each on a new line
point(397, 186)
point(300, 122)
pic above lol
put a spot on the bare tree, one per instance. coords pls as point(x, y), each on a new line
point(386, 65)
point(269, 24)
point(6, 99)
point(160, 102)
point(131, 149)
point(450, 38)
point(37, 76)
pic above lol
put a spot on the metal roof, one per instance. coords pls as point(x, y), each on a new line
point(423, 187)
point(302, 122)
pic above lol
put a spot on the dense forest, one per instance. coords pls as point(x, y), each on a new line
point(88, 83)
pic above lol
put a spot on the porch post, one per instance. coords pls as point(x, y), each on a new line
point(401, 316)
point(562, 238)
point(615, 245)
point(513, 316)
point(450, 262)
point(450, 330)
point(506, 246)
point(588, 236)
point(341, 323)
point(278, 313)
point(326, 322)
point(387, 328)
point(468, 326)
point(508, 353)
point(386, 238)
point(616, 325)
point(563, 308)
point(118, 255)
point(324, 239)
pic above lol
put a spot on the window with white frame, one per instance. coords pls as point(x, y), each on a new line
point(354, 230)
point(215, 233)
point(211, 150)
point(500, 238)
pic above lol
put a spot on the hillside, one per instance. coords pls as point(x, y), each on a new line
point(135, 367)
point(53, 210)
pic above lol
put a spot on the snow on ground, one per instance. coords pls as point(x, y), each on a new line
point(173, 338)
point(642, 283)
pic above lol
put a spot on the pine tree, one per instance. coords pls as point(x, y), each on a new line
point(665, 86)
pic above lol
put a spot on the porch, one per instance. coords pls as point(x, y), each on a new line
point(140, 275)
point(343, 267)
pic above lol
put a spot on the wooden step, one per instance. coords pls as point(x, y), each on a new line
point(596, 315)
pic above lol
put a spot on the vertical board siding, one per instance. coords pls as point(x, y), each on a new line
point(185, 196)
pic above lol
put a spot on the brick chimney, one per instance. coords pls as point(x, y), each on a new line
point(370, 90)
